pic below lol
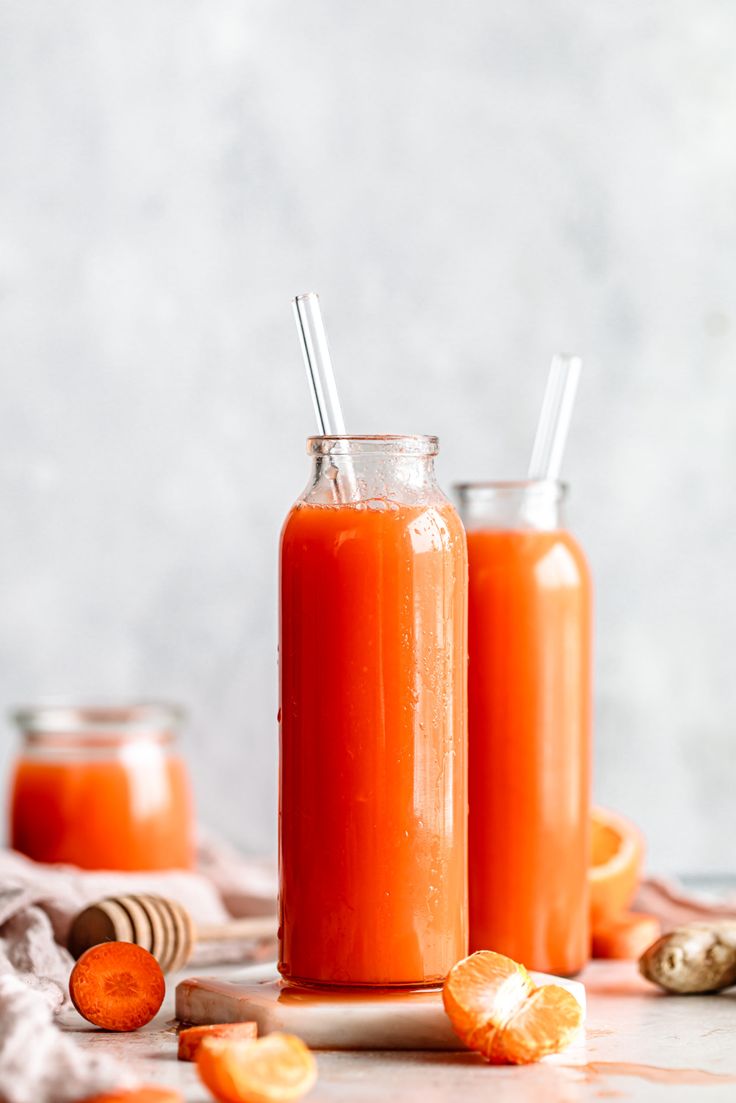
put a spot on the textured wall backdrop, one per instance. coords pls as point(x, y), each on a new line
point(470, 186)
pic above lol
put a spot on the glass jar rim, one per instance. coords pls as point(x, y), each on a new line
point(554, 488)
point(84, 720)
point(373, 444)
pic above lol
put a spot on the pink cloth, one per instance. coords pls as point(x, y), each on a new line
point(674, 906)
point(39, 1063)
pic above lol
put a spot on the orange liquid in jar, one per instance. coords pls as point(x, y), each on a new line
point(130, 812)
point(373, 729)
point(529, 747)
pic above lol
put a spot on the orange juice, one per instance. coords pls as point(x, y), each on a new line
point(94, 794)
point(373, 725)
point(529, 728)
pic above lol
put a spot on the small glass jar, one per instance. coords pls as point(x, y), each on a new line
point(102, 787)
point(529, 690)
point(373, 656)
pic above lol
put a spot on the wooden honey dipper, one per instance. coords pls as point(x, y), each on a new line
point(164, 927)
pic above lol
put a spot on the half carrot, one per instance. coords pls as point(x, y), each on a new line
point(627, 937)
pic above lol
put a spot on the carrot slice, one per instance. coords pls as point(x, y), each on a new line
point(274, 1069)
point(117, 986)
point(497, 1010)
point(627, 937)
point(149, 1093)
point(192, 1037)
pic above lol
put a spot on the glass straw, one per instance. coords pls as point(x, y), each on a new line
point(554, 418)
point(316, 352)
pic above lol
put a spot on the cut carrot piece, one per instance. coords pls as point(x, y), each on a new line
point(274, 1069)
point(496, 1009)
point(149, 1093)
point(117, 986)
point(192, 1037)
point(615, 868)
point(627, 937)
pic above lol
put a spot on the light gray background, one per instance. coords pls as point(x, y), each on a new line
point(470, 186)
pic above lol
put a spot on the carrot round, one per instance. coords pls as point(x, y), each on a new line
point(117, 986)
point(149, 1093)
point(191, 1037)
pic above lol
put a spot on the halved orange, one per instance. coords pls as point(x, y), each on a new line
point(496, 1009)
point(616, 864)
point(274, 1069)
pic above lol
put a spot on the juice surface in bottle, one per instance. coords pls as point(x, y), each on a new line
point(373, 658)
point(529, 727)
point(100, 788)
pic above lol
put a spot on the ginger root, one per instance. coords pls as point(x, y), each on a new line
point(698, 957)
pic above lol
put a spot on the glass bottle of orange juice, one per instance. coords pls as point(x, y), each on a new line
point(529, 725)
point(102, 787)
point(373, 805)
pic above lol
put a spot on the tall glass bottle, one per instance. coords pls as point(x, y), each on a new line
point(529, 726)
point(373, 656)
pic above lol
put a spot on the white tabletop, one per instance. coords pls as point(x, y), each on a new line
point(640, 1045)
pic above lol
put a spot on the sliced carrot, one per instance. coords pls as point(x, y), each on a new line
point(117, 986)
point(149, 1093)
point(497, 1010)
point(274, 1069)
point(627, 937)
point(192, 1037)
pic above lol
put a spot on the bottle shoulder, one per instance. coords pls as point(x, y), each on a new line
point(515, 552)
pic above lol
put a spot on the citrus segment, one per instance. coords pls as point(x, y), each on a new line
point(616, 861)
point(274, 1069)
point(496, 1009)
point(546, 1023)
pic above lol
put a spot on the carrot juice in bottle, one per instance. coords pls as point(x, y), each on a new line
point(529, 726)
point(373, 659)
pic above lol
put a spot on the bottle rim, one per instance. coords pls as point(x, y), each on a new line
point(554, 488)
point(350, 444)
point(94, 721)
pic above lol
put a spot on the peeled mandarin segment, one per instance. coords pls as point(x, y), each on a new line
point(546, 1023)
point(481, 992)
point(616, 860)
point(274, 1069)
point(496, 1010)
point(627, 937)
point(117, 986)
point(148, 1094)
point(191, 1038)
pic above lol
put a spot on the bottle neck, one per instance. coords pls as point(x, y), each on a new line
point(354, 470)
point(533, 505)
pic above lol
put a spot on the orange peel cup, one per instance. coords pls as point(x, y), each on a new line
point(617, 857)
point(497, 1010)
